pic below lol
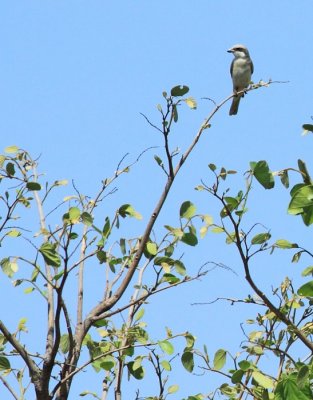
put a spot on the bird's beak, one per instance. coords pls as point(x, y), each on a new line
point(230, 51)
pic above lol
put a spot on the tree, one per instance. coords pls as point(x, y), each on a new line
point(71, 239)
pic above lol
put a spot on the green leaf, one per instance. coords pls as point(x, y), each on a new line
point(217, 229)
point(139, 314)
point(175, 231)
point(62, 182)
point(169, 250)
point(4, 364)
point(284, 244)
point(263, 174)
point(64, 343)
point(33, 186)
point(107, 363)
point(102, 256)
point(303, 376)
point(86, 392)
point(187, 210)
point(22, 325)
point(237, 376)
point(10, 169)
point(14, 233)
point(175, 113)
point(74, 215)
point(219, 359)
point(212, 167)
point(308, 127)
point(180, 90)
point(158, 160)
point(50, 254)
point(261, 238)
point(152, 248)
point(190, 339)
point(166, 365)
point(166, 346)
point(296, 257)
point(137, 373)
point(190, 239)
point(29, 290)
point(287, 389)
point(2, 160)
point(170, 278)
point(187, 360)
point(306, 289)
point(305, 174)
point(245, 365)
point(284, 178)
point(301, 199)
point(180, 267)
point(307, 271)
point(87, 219)
point(128, 210)
point(263, 380)
point(173, 389)
point(9, 268)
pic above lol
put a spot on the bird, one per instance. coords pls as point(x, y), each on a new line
point(241, 70)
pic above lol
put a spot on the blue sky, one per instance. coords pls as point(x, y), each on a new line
point(75, 76)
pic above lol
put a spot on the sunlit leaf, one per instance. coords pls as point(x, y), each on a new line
point(152, 248)
point(128, 210)
point(11, 149)
point(301, 199)
point(22, 325)
point(187, 210)
point(263, 380)
point(261, 238)
point(166, 346)
point(166, 365)
point(14, 233)
point(306, 289)
point(107, 363)
point(50, 255)
point(263, 174)
point(9, 268)
point(173, 389)
point(191, 103)
point(139, 314)
point(74, 215)
point(219, 359)
point(64, 343)
point(307, 271)
point(285, 244)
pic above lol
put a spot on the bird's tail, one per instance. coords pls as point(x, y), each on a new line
point(234, 105)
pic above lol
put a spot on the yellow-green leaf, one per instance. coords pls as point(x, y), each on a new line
point(11, 149)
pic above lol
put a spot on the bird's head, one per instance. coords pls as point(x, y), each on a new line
point(239, 50)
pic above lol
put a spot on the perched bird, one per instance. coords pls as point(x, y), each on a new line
point(241, 70)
